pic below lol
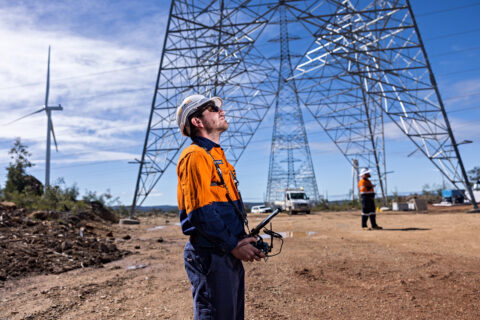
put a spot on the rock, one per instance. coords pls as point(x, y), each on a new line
point(127, 237)
point(29, 222)
point(33, 185)
point(66, 245)
point(111, 247)
point(44, 215)
point(105, 214)
point(129, 221)
point(7, 205)
point(103, 247)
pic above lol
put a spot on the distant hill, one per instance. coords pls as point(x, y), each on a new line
point(151, 208)
point(159, 207)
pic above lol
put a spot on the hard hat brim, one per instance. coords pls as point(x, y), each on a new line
point(364, 172)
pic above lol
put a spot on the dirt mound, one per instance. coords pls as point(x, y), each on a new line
point(103, 213)
point(45, 242)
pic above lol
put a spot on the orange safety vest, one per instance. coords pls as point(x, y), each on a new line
point(365, 186)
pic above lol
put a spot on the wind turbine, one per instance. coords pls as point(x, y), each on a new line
point(50, 132)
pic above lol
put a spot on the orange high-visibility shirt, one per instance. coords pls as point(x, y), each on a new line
point(202, 199)
point(365, 186)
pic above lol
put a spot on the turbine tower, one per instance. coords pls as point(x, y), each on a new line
point(358, 66)
point(50, 131)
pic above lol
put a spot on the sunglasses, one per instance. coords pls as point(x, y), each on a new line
point(212, 108)
point(209, 106)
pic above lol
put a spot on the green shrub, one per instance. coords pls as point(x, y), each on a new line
point(346, 205)
point(16, 170)
point(106, 199)
point(27, 192)
point(55, 198)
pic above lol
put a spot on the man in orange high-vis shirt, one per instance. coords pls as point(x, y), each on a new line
point(367, 196)
point(211, 213)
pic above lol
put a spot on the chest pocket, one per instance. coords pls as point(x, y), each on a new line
point(217, 187)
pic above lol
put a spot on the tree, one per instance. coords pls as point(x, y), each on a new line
point(16, 171)
point(474, 174)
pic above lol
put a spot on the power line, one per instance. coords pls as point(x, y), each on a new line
point(89, 164)
point(448, 35)
point(460, 71)
point(447, 10)
point(462, 96)
point(149, 88)
point(156, 63)
point(111, 93)
point(464, 109)
point(455, 51)
point(141, 66)
point(83, 76)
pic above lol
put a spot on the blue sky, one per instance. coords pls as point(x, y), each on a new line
point(105, 56)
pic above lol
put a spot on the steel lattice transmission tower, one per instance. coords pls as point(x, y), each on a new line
point(358, 68)
point(290, 159)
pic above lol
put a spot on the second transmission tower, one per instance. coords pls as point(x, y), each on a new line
point(290, 159)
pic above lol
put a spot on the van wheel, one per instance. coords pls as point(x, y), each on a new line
point(290, 212)
point(307, 212)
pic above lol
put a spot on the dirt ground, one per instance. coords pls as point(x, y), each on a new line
point(421, 266)
point(46, 242)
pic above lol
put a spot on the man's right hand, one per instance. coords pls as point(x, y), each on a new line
point(246, 252)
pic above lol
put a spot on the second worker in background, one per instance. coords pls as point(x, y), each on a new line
point(367, 197)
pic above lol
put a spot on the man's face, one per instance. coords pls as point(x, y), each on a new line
point(213, 119)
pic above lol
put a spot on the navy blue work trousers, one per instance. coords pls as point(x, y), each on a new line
point(218, 283)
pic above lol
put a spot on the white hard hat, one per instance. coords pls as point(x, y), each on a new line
point(189, 106)
point(364, 171)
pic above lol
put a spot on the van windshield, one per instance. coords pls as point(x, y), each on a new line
point(298, 196)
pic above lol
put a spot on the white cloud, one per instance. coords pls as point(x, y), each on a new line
point(392, 131)
point(323, 147)
point(156, 195)
point(98, 155)
point(4, 156)
point(462, 93)
point(465, 130)
point(103, 74)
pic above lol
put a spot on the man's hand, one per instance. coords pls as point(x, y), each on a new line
point(246, 252)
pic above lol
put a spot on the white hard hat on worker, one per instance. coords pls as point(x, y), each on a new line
point(189, 106)
point(364, 171)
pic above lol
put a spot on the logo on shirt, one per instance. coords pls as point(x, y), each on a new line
point(218, 161)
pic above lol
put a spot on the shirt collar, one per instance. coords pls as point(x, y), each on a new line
point(204, 143)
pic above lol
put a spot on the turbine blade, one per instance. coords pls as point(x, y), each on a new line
point(48, 78)
point(28, 115)
point(53, 134)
